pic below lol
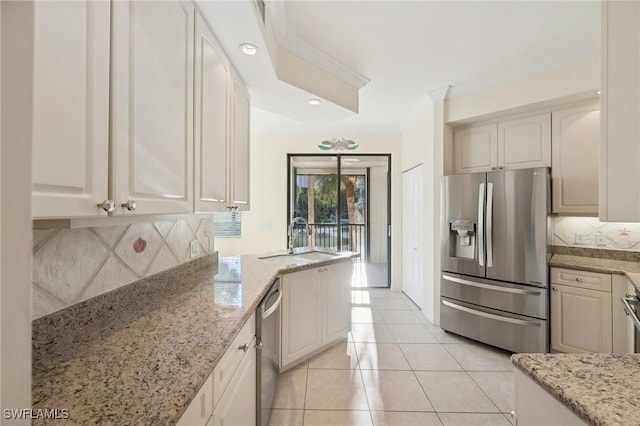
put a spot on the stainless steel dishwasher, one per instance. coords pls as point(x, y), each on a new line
point(268, 351)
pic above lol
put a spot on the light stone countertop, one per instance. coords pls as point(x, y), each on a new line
point(602, 389)
point(138, 355)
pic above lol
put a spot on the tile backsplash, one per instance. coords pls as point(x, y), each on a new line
point(590, 232)
point(72, 265)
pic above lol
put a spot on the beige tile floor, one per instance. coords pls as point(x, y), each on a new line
point(397, 369)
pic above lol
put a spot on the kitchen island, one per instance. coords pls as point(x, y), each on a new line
point(138, 355)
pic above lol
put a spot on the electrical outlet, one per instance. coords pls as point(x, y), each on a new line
point(195, 248)
point(601, 240)
point(581, 238)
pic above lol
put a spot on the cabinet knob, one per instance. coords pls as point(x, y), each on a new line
point(494, 168)
point(107, 205)
point(500, 168)
point(554, 288)
point(578, 279)
point(129, 205)
point(244, 347)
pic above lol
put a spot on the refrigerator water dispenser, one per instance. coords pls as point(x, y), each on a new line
point(462, 238)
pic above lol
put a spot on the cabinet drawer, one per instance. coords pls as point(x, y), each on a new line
point(582, 279)
point(223, 372)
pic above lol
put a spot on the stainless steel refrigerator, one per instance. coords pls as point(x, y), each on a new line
point(495, 238)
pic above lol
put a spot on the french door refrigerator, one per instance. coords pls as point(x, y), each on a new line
point(494, 258)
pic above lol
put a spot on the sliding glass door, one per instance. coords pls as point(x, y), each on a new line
point(345, 199)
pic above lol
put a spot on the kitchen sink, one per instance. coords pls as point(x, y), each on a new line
point(287, 259)
point(300, 258)
point(317, 255)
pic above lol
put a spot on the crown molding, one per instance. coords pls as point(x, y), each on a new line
point(300, 47)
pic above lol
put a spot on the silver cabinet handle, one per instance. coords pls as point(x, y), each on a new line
point(244, 347)
point(107, 205)
point(129, 205)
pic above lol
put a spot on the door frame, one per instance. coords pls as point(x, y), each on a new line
point(339, 156)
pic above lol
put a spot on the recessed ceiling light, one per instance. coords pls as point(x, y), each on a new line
point(315, 101)
point(249, 49)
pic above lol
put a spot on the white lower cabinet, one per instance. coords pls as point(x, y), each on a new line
point(534, 406)
point(316, 311)
point(228, 396)
point(336, 302)
point(200, 409)
point(581, 311)
point(234, 380)
point(237, 406)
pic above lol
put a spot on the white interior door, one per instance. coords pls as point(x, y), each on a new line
point(412, 214)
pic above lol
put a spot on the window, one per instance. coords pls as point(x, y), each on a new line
point(227, 224)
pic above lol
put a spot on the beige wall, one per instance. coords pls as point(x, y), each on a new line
point(264, 228)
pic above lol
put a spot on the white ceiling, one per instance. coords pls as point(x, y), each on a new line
point(405, 49)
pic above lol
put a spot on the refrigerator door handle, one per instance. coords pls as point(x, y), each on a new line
point(480, 236)
point(492, 287)
point(489, 225)
point(488, 315)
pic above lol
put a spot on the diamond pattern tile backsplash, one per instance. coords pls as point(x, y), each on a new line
point(72, 265)
point(590, 232)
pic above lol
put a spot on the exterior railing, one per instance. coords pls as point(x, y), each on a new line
point(350, 237)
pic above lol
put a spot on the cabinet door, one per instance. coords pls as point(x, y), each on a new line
point(241, 143)
point(525, 142)
point(576, 147)
point(152, 93)
point(336, 301)
point(301, 315)
point(200, 409)
point(580, 320)
point(211, 168)
point(475, 149)
point(237, 406)
point(70, 108)
point(620, 102)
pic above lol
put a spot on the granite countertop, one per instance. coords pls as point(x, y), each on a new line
point(602, 389)
point(138, 355)
point(595, 260)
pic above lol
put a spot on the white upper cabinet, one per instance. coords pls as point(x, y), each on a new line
point(212, 90)
point(221, 161)
point(576, 146)
point(152, 95)
point(509, 144)
point(241, 146)
point(525, 142)
point(70, 108)
point(475, 148)
point(620, 109)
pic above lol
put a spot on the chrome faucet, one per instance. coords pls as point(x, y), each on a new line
point(290, 232)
